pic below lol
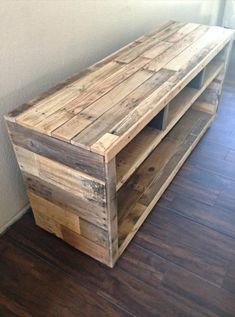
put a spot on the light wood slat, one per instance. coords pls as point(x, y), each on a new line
point(70, 109)
point(49, 105)
point(139, 50)
point(104, 143)
point(103, 87)
point(78, 241)
point(156, 31)
point(77, 158)
point(200, 48)
point(143, 144)
point(111, 210)
point(65, 216)
point(186, 29)
point(92, 134)
point(80, 185)
point(93, 214)
point(154, 175)
point(135, 153)
point(59, 214)
point(177, 48)
point(148, 42)
point(53, 121)
point(165, 33)
point(85, 245)
point(156, 50)
point(83, 119)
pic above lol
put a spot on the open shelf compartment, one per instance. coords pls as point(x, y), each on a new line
point(128, 160)
point(143, 189)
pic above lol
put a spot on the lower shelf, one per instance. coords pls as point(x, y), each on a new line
point(140, 193)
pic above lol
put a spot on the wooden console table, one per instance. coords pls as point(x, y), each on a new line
point(97, 151)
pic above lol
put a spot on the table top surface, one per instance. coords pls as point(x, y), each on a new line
point(105, 106)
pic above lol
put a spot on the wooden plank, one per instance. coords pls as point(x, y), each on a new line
point(153, 32)
point(54, 121)
point(186, 29)
point(62, 152)
point(47, 223)
point(209, 99)
point(168, 31)
point(213, 38)
point(103, 87)
point(56, 101)
point(79, 242)
point(156, 50)
point(88, 247)
point(145, 188)
point(111, 211)
point(188, 96)
point(80, 185)
point(54, 212)
point(135, 153)
point(85, 210)
point(149, 41)
point(141, 48)
point(94, 233)
point(56, 215)
point(86, 117)
point(204, 106)
point(144, 176)
point(104, 143)
point(106, 122)
point(161, 60)
point(11, 116)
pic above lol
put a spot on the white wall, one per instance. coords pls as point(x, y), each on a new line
point(45, 41)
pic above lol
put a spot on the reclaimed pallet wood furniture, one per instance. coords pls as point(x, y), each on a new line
point(97, 151)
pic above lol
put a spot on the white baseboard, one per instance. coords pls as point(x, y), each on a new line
point(14, 219)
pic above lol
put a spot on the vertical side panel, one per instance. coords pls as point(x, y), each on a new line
point(68, 198)
point(209, 99)
point(111, 209)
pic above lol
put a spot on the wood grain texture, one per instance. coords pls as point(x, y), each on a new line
point(62, 152)
point(108, 121)
point(111, 211)
point(86, 210)
point(59, 175)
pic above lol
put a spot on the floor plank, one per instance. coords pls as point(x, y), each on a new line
point(194, 247)
point(216, 217)
point(41, 290)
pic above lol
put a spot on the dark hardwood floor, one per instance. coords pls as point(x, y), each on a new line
point(181, 262)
